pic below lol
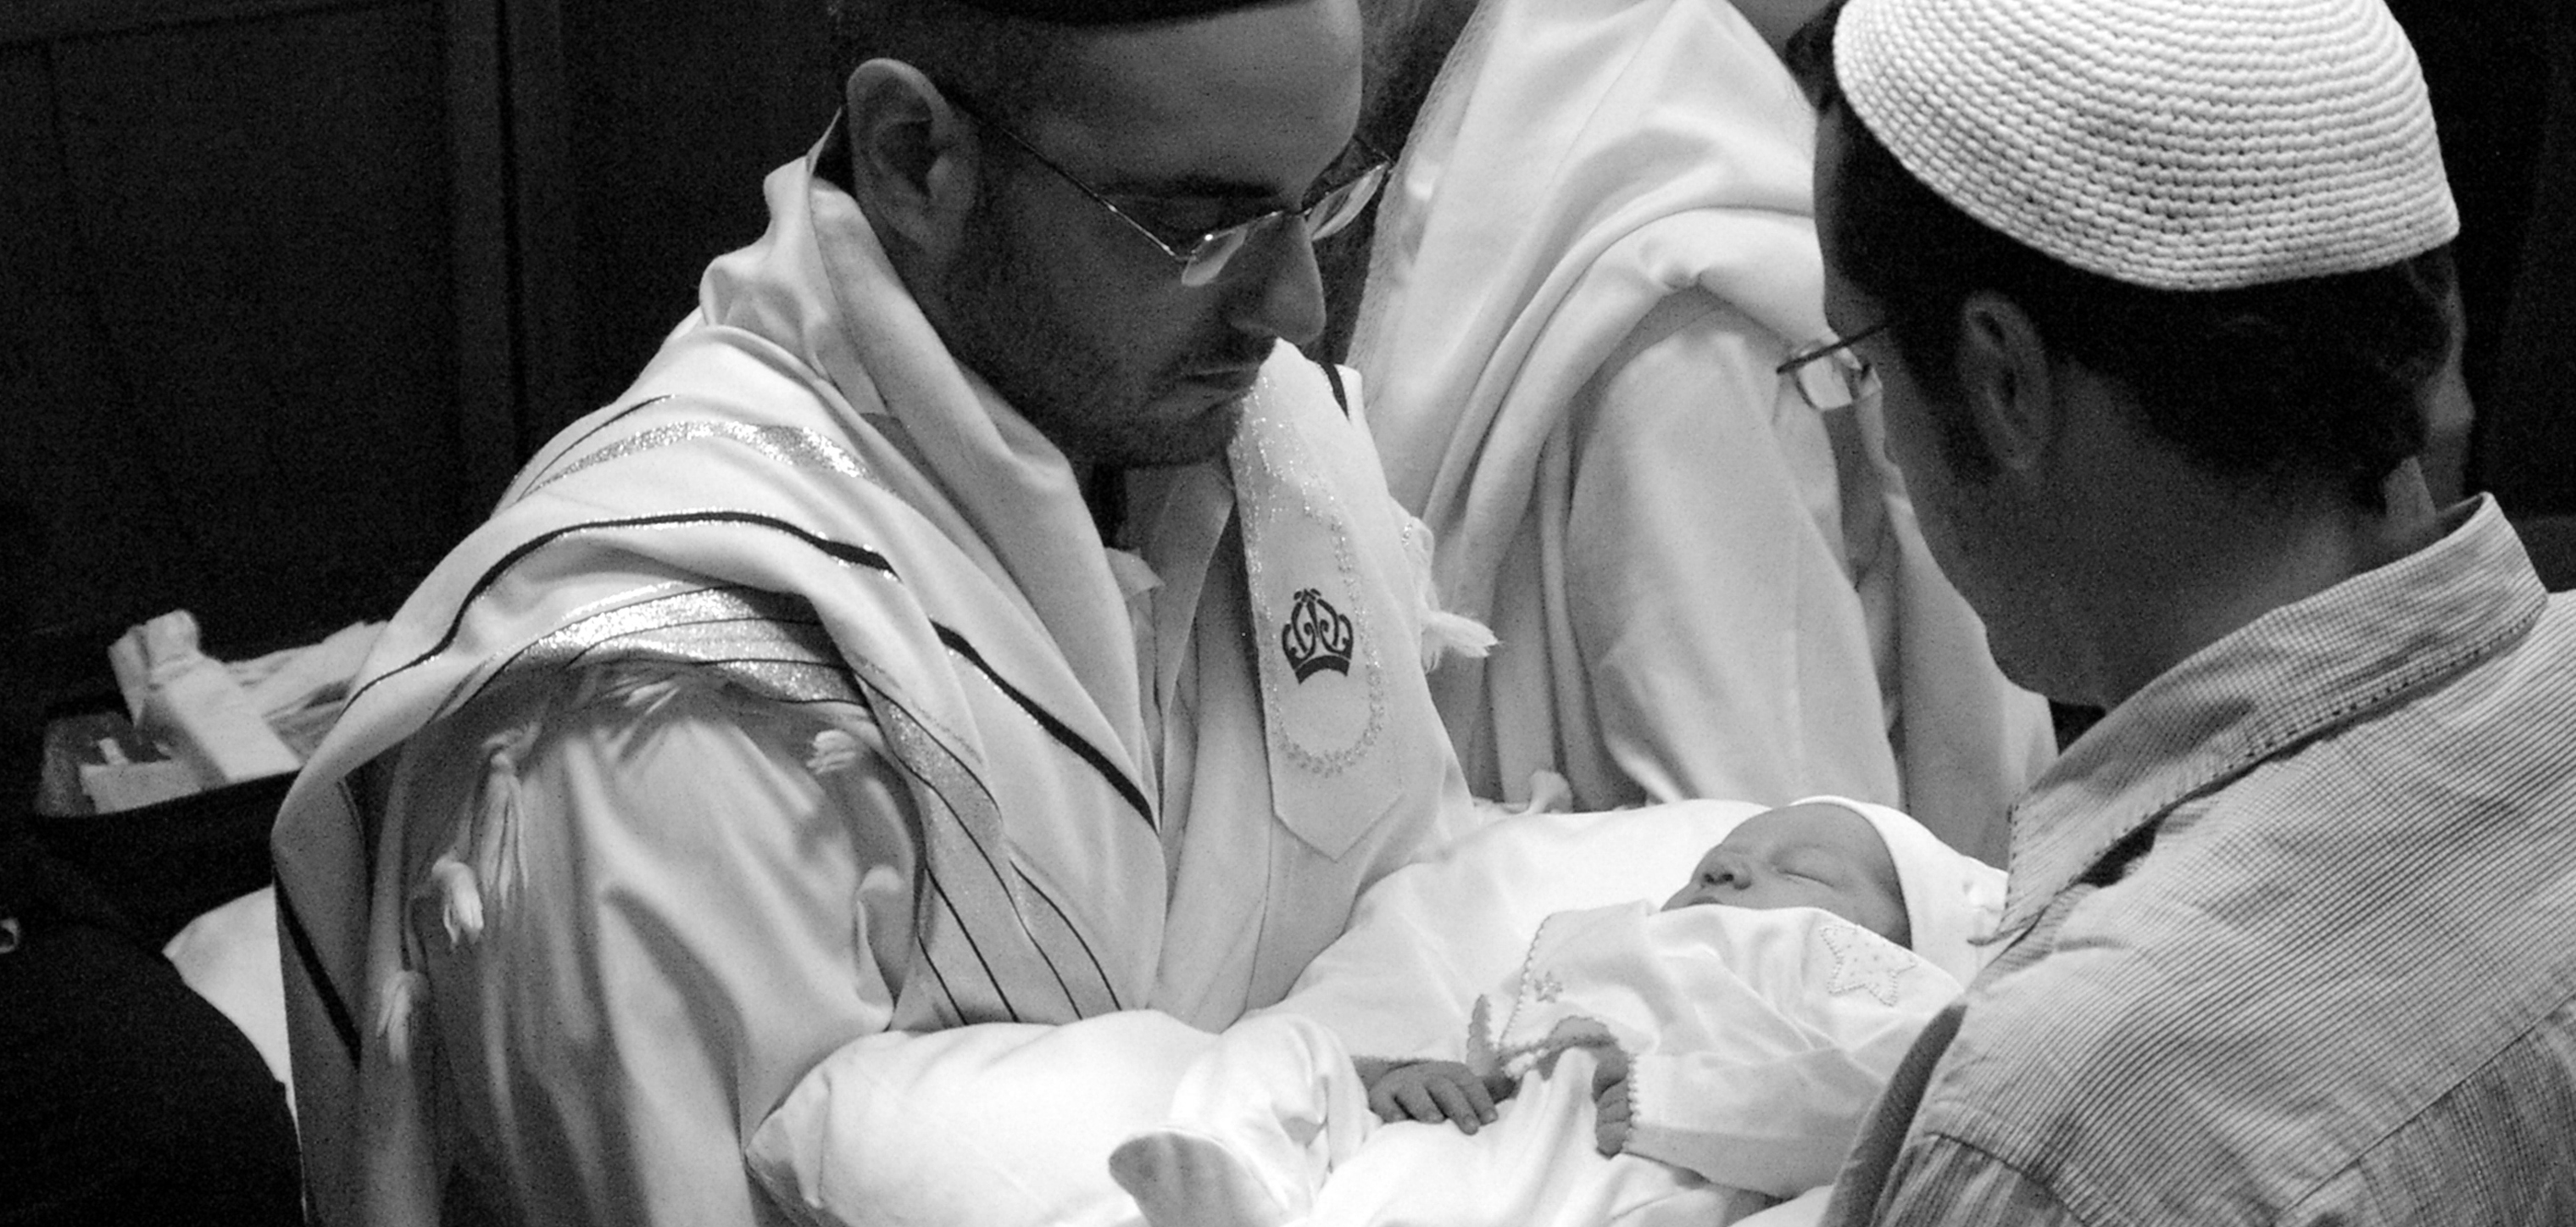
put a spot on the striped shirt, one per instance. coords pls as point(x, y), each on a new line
point(2291, 939)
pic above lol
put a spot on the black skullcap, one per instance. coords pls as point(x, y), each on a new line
point(1110, 12)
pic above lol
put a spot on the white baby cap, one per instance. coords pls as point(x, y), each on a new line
point(1950, 896)
point(2172, 144)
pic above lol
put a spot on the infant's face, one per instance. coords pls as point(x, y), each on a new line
point(1821, 856)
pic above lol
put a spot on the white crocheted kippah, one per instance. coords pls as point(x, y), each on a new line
point(2173, 144)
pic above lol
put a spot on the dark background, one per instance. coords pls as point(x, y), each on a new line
point(289, 287)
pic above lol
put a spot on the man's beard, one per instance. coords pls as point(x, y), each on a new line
point(1008, 317)
point(1079, 396)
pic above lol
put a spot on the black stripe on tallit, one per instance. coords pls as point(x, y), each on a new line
point(996, 862)
point(957, 920)
point(924, 961)
point(852, 554)
point(1072, 1003)
point(1107, 988)
point(343, 1023)
point(996, 865)
point(573, 445)
point(576, 660)
point(839, 551)
point(839, 666)
point(1055, 728)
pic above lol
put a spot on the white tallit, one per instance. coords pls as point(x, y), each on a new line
point(1598, 243)
point(806, 497)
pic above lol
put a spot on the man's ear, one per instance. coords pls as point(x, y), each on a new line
point(2006, 375)
point(912, 157)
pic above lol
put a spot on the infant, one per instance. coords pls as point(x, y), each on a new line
point(1819, 855)
point(1733, 1036)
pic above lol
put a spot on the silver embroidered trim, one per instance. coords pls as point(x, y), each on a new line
point(763, 640)
point(1317, 503)
point(793, 446)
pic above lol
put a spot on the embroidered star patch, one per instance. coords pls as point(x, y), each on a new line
point(1862, 961)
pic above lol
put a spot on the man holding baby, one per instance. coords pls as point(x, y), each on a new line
point(978, 614)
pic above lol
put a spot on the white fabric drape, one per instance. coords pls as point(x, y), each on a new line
point(1596, 248)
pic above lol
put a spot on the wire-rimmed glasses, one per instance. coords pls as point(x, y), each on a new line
point(1332, 205)
point(1829, 375)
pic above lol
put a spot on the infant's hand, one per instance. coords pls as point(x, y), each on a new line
point(1435, 1091)
point(1610, 1101)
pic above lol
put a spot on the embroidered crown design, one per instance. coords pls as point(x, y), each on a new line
point(1316, 636)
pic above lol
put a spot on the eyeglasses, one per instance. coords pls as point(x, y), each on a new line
point(1829, 375)
point(1203, 255)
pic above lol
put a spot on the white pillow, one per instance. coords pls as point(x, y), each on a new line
point(997, 1125)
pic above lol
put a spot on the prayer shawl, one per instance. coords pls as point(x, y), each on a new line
point(1597, 245)
point(806, 495)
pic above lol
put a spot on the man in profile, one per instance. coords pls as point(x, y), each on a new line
point(978, 612)
point(2154, 290)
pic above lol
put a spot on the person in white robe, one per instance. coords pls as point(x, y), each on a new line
point(798, 696)
point(1597, 248)
point(1718, 1052)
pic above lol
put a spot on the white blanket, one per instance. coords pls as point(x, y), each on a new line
point(1004, 1126)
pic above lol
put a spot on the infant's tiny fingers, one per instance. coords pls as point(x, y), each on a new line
point(1453, 1105)
point(1479, 1101)
point(1419, 1105)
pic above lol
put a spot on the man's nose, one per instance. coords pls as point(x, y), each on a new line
point(1281, 291)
